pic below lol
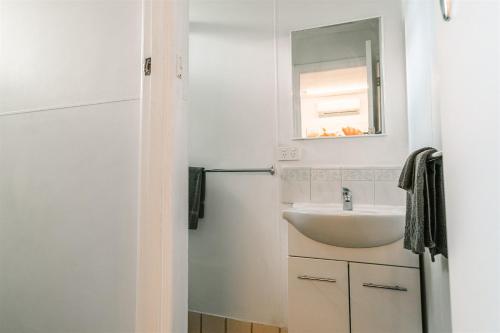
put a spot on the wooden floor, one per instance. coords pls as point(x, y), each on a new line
point(202, 323)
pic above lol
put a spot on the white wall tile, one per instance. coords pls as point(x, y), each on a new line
point(387, 193)
point(326, 185)
point(358, 174)
point(387, 174)
point(362, 191)
point(325, 174)
point(369, 185)
point(386, 189)
point(295, 185)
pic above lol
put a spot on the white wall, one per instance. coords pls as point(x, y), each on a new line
point(424, 122)
point(469, 79)
point(69, 134)
point(234, 256)
point(299, 15)
point(425, 130)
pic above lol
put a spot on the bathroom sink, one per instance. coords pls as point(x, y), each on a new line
point(364, 226)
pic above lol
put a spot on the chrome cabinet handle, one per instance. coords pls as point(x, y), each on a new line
point(381, 286)
point(315, 278)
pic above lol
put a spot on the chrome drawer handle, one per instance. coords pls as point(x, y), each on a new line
point(381, 286)
point(314, 278)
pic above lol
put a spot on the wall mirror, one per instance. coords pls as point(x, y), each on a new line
point(337, 80)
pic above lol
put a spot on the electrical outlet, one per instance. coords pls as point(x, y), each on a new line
point(282, 154)
point(288, 153)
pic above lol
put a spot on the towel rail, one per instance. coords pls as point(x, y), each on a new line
point(269, 170)
point(435, 156)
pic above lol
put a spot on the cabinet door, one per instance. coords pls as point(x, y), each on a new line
point(318, 296)
point(385, 299)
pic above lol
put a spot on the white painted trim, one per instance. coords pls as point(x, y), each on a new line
point(161, 299)
point(369, 72)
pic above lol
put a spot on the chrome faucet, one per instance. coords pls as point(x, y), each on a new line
point(346, 198)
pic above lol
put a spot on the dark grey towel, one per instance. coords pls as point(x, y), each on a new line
point(196, 196)
point(414, 231)
point(437, 221)
point(407, 174)
point(425, 211)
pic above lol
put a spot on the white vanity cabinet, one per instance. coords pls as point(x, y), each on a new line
point(332, 296)
point(318, 298)
point(384, 299)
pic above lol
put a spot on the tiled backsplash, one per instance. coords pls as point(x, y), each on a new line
point(376, 185)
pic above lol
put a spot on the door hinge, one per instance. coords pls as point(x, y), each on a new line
point(147, 66)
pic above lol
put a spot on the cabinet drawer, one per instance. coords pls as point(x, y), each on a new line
point(318, 297)
point(384, 299)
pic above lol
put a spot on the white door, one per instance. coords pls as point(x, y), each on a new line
point(318, 297)
point(385, 299)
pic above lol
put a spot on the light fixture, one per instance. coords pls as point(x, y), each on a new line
point(338, 107)
point(334, 91)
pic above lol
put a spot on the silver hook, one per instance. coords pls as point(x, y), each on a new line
point(446, 9)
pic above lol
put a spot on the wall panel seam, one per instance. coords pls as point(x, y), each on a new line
point(62, 107)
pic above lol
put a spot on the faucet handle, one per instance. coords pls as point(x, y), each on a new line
point(347, 198)
point(346, 194)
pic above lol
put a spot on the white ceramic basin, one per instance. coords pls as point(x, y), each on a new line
point(365, 226)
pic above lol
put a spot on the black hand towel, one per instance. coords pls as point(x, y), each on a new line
point(197, 182)
point(438, 211)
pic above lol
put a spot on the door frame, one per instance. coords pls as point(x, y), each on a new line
point(161, 293)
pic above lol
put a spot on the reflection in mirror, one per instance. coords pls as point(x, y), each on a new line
point(337, 88)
